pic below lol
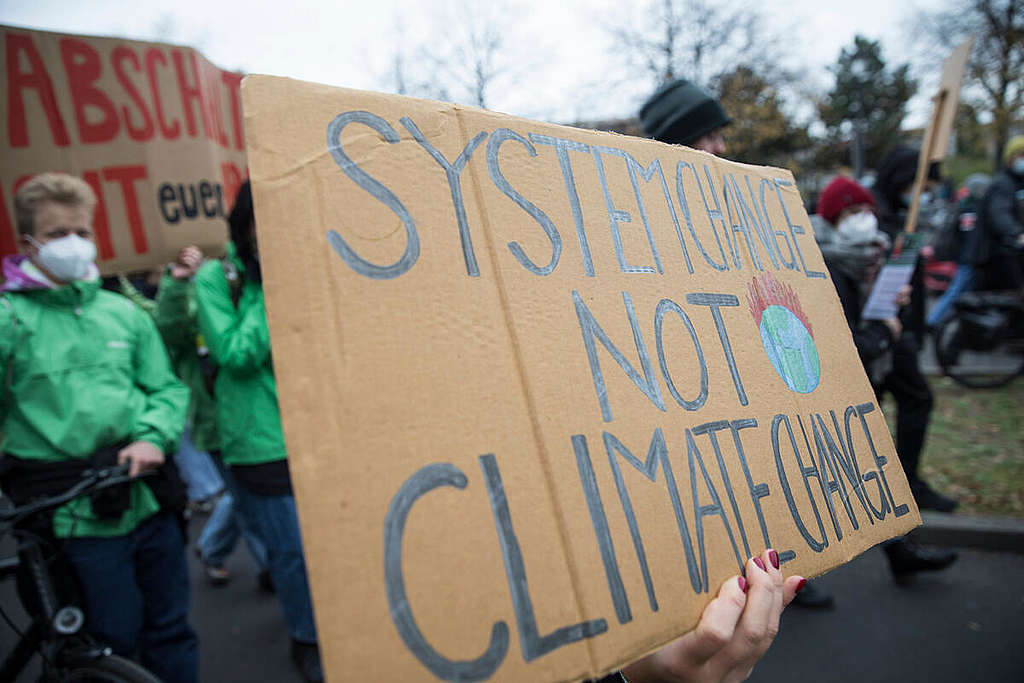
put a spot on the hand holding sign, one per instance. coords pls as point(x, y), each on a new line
point(736, 629)
point(189, 260)
point(891, 290)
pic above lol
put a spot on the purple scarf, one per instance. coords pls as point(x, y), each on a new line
point(15, 278)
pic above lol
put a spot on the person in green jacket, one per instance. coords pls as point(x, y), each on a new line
point(177, 318)
point(233, 323)
point(87, 382)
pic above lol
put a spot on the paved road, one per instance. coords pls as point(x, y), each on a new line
point(242, 634)
point(964, 624)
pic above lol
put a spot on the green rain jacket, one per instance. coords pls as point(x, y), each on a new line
point(239, 343)
point(85, 368)
point(177, 318)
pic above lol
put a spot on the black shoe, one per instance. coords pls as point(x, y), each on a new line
point(906, 559)
point(814, 597)
point(264, 581)
point(307, 660)
point(929, 499)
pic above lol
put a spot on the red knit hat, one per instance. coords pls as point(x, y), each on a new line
point(839, 194)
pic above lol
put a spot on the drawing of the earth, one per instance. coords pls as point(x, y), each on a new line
point(790, 348)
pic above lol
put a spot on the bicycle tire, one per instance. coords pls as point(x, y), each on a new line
point(950, 351)
point(109, 669)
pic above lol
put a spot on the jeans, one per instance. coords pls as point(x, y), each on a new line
point(197, 470)
point(961, 282)
point(136, 596)
point(275, 521)
point(225, 526)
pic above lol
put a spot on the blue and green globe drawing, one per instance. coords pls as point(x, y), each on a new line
point(790, 348)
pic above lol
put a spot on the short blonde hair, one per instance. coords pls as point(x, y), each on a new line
point(1014, 146)
point(61, 188)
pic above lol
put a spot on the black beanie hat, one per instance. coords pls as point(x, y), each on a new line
point(680, 112)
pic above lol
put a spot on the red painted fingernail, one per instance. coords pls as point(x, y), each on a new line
point(743, 584)
point(760, 564)
point(774, 557)
point(800, 586)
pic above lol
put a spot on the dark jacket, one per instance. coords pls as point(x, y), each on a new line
point(966, 233)
point(1002, 216)
point(871, 337)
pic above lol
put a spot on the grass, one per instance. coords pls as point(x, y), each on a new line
point(975, 447)
point(960, 167)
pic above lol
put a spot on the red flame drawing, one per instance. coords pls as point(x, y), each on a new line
point(771, 292)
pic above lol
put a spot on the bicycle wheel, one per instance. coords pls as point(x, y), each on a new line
point(994, 367)
point(109, 669)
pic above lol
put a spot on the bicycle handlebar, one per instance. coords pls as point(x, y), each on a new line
point(93, 480)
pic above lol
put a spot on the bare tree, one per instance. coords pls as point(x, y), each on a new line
point(463, 59)
point(995, 69)
point(697, 40)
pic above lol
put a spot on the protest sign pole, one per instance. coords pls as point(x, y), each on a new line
point(924, 159)
point(936, 136)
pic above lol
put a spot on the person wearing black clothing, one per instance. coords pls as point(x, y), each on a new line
point(914, 399)
point(1002, 222)
point(892, 195)
point(853, 247)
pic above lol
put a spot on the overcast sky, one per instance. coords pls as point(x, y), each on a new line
point(561, 48)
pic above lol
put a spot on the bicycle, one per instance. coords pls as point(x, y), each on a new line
point(981, 345)
point(57, 633)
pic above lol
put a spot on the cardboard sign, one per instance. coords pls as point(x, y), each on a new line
point(948, 98)
point(940, 126)
point(155, 129)
point(545, 389)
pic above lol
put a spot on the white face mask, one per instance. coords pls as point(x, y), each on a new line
point(68, 258)
point(860, 228)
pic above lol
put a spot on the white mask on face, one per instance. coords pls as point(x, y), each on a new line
point(860, 228)
point(68, 258)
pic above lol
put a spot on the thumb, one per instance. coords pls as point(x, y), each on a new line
point(717, 623)
point(125, 455)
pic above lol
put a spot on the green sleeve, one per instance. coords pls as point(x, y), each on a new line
point(175, 315)
point(7, 333)
point(162, 418)
point(238, 338)
point(135, 296)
